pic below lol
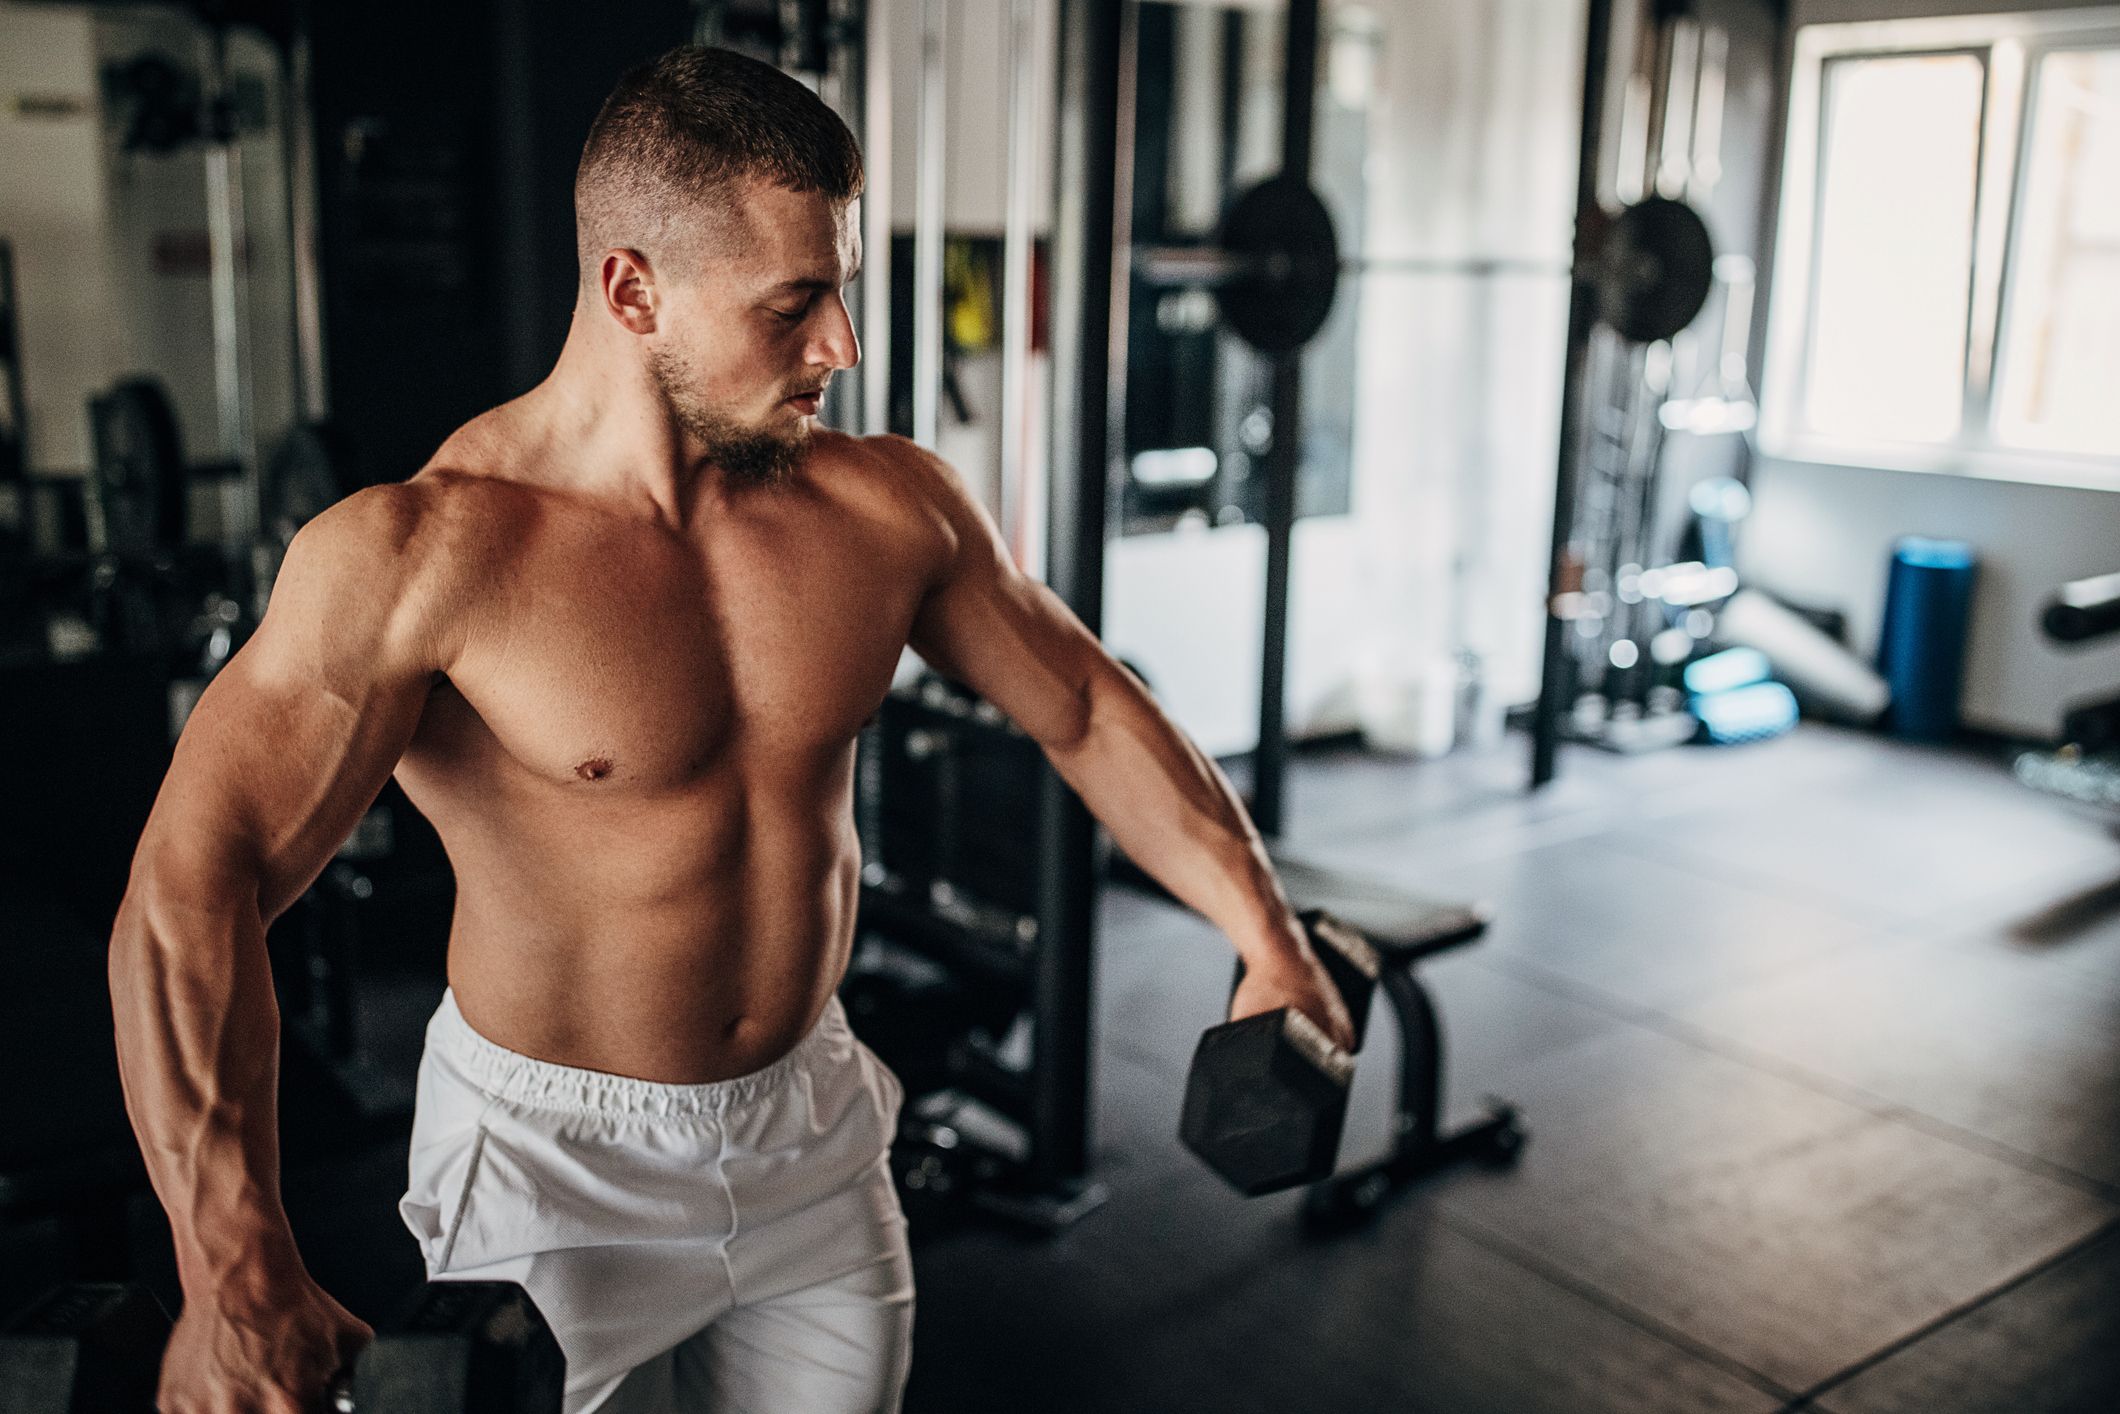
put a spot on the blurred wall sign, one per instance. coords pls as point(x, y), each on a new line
point(52, 107)
point(189, 253)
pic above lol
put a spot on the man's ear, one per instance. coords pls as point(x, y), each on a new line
point(627, 283)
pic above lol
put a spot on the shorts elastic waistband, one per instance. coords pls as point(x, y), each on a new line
point(516, 1079)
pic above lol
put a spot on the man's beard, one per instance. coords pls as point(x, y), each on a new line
point(749, 455)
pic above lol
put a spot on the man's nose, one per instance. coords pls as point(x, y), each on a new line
point(837, 345)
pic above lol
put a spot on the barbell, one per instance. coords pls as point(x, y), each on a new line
point(1274, 267)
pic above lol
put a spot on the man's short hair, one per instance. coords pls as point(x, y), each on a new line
point(679, 137)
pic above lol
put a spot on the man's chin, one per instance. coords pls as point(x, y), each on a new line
point(765, 457)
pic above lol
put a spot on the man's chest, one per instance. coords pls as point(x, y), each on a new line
point(631, 667)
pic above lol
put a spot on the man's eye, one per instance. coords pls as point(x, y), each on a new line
point(792, 316)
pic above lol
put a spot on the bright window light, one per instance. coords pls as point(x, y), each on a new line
point(1899, 166)
point(2059, 379)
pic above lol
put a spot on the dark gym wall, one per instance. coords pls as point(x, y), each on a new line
point(446, 142)
point(557, 61)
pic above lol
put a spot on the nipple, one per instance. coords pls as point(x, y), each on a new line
point(594, 769)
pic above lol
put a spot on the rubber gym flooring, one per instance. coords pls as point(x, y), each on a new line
point(1819, 1046)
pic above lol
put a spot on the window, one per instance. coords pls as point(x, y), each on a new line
point(1947, 281)
point(2059, 375)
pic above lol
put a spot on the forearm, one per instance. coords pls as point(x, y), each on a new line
point(198, 1051)
point(1168, 805)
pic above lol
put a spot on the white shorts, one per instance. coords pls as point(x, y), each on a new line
point(735, 1246)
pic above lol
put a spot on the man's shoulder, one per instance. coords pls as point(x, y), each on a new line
point(902, 476)
point(434, 517)
point(419, 549)
point(905, 460)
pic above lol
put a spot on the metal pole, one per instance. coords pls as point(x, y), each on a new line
point(14, 417)
point(1582, 313)
point(1016, 240)
point(1283, 466)
point(1093, 188)
point(840, 81)
point(1707, 121)
point(928, 224)
point(312, 391)
point(874, 68)
point(1681, 81)
point(226, 238)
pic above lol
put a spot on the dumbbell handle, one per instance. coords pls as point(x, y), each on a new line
point(1310, 1039)
point(1349, 958)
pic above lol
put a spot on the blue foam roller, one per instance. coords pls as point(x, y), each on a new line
point(1928, 603)
point(1750, 713)
point(1733, 667)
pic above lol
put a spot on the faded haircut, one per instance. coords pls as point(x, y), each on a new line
point(677, 140)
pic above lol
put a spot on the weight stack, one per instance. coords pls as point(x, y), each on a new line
point(1921, 652)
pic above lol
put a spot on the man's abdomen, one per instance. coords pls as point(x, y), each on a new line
point(651, 947)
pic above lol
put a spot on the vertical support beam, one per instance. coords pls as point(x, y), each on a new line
point(874, 67)
point(14, 412)
point(929, 222)
point(226, 237)
point(1233, 32)
point(1582, 315)
point(1093, 188)
point(1017, 237)
point(1284, 456)
point(846, 86)
point(299, 159)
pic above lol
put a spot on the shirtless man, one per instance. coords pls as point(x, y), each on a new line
point(616, 641)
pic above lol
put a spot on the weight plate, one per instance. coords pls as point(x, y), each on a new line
point(1289, 258)
point(1654, 270)
point(138, 477)
point(309, 472)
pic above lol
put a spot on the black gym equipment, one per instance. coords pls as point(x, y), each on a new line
point(69, 1164)
point(309, 472)
point(1643, 273)
point(2086, 767)
point(954, 960)
point(2083, 610)
point(1279, 1125)
point(1274, 270)
point(14, 402)
point(1653, 269)
point(136, 486)
point(89, 1348)
point(469, 1347)
point(1266, 1097)
point(1420, 1146)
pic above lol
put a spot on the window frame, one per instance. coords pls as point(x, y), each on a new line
point(2010, 48)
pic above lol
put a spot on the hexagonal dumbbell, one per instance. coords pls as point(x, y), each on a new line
point(1267, 1096)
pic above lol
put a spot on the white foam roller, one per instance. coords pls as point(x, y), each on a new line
point(1821, 672)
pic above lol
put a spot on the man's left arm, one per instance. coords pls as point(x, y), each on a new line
point(1166, 803)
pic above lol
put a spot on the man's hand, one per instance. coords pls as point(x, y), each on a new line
point(274, 1357)
point(1295, 978)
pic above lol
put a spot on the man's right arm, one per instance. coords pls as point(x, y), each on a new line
point(286, 749)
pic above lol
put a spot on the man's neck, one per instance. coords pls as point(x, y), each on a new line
point(608, 433)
